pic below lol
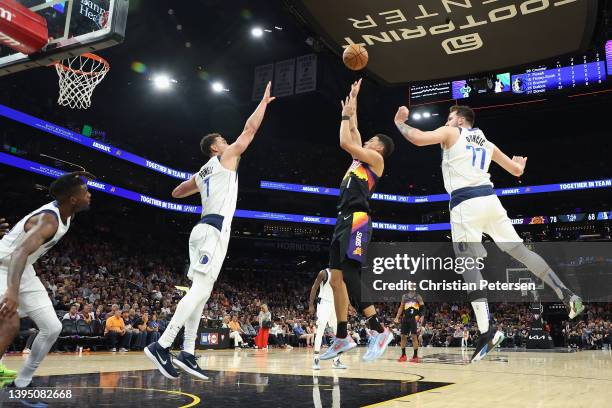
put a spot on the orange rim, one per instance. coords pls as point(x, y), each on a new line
point(90, 56)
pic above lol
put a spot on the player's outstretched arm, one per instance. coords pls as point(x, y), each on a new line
point(230, 157)
point(350, 145)
point(355, 134)
point(416, 136)
point(313, 291)
point(44, 229)
point(4, 227)
point(514, 166)
point(186, 188)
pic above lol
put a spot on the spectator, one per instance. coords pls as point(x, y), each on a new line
point(265, 323)
point(72, 314)
point(87, 314)
point(152, 329)
point(114, 332)
point(235, 330)
point(247, 328)
point(301, 334)
point(141, 323)
point(128, 319)
point(114, 309)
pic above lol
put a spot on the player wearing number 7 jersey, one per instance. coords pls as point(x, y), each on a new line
point(475, 208)
point(217, 183)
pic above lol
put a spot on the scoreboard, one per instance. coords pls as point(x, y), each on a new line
point(574, 72)
point(588, 70)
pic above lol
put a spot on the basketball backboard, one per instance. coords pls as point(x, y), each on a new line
point(75, 27)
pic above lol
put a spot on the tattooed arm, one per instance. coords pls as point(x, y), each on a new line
point(418, 137)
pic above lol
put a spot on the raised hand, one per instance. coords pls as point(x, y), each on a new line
point(355, 88)
point(402, 114)
point(521, 161)
point(348, 107)
point(266, 97)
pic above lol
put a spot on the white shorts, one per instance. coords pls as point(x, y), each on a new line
point(32, 293)
point(326, 314)
point(207, 249)
point(482, 214)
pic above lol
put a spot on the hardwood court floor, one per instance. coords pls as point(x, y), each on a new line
point(280, 378)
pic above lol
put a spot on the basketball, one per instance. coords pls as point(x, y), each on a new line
point(355, 57)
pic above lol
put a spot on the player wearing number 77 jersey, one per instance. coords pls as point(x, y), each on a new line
point(475, 208)
point(217, 183)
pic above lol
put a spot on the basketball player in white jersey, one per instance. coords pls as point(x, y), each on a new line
point(475, 208)
point(217, 183)
point(22, 292)
point(326, 314)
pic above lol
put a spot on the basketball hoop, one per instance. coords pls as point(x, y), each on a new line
point(78, 77)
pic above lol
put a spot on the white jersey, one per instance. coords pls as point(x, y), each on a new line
point(218, 188)
point(466, 163)
point(17, 235)
point(326, 293)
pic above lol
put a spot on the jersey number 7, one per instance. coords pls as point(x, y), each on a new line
point(207, 184)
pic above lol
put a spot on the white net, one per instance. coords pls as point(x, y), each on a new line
point(78, 77)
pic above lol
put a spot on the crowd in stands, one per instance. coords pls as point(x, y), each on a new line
point(129, 299)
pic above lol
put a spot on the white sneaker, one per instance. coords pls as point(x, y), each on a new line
point(315, 364)
point(26, 351)
point(113, 349)
point(289, 347)
point(122, 349)
point(338, 365)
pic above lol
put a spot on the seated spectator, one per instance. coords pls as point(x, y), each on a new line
point(247, 328)
point(114, 332)
point(87, 313)
point(72, 314)
point(114, 309)
point(141, 323)
point(235, 330)
point(153, 329)
point(299, 331)
point(128, 319)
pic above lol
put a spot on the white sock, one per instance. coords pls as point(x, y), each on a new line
point(197, 295)
point(319, 338)
point(481, 310)
point(49, 329)
point(191, 330)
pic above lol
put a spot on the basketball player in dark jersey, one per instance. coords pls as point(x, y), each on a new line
point(353, 230)
point(412, 311)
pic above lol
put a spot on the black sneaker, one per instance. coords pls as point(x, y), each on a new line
point(187, 362)
point(161, 358)
point(487, 342)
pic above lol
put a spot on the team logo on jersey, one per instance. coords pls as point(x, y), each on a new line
point(205, 259)
point(357, 251)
